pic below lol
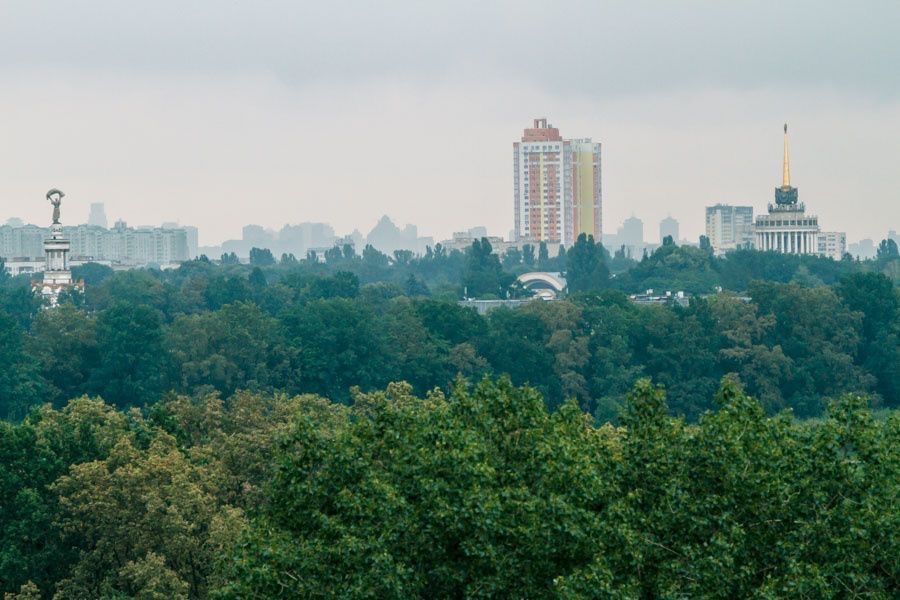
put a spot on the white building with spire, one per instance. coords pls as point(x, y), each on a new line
point(787, 228)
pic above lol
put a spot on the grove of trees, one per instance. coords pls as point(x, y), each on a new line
point(793, 339)
point(479, 493)
point(239, 430)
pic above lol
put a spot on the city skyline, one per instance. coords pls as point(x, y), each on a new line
point(346, 131)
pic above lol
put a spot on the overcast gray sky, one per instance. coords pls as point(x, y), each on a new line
point(224, 113)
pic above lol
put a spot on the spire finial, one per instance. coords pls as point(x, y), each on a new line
point(786, 176)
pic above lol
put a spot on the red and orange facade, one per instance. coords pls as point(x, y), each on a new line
point(557, 186)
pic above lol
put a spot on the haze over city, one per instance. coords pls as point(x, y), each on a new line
point(220, 115)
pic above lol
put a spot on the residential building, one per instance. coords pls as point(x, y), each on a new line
point(556, 184)
point(463, 240)
point(729, 227)
point(120, 245)
point(832, 244)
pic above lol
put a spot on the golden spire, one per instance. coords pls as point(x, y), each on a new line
point(786, 176)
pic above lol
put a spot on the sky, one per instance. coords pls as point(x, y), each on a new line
point(219, 114)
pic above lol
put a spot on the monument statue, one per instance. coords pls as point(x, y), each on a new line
point(55, 197)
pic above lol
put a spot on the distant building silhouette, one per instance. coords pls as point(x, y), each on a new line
point(292, 239)
point(631, 236)
point(632, 232)
point(387, 237)
point(862, 249)
point(668, 227)
point(97, 216)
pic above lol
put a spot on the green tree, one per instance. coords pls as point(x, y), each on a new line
point(257, 279)
point(586, 267)
point(372, 257)
point(887, 250)
point(236, 347)
point(21, 386)
point(483, 274)
point(705, 244)
point(821, 337)
point(144, 518)
point(512, 258)
point(33, 455)
point(402, 258)
point(528, 255)
point(543, 256)
point(261, 257)
point(64, 343)
point(92, 273)
point(133, 364)
point(415, 287)
point(409, 521)
point(874, 296)
point(339, 346)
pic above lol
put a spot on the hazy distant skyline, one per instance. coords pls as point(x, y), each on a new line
point(219, 115)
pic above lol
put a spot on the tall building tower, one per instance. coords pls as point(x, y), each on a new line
point(668, 227)
point(787, 228)
point(556, 186)
point(97, 216)
point(57, 276)
point(632, 232)
point(729, 227)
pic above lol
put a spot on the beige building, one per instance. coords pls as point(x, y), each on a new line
point(729, 227)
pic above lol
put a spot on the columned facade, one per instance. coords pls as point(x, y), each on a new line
point(57, 276)
point(787, 228)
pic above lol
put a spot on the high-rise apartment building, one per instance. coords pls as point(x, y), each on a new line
point(729, 227)
point(556, 186)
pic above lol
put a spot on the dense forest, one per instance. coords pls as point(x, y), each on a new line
point(482, 493)
point(795, 330)
point(237, 430)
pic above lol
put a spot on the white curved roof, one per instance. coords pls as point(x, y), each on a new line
point(554, 280)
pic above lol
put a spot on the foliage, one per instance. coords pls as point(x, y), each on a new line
point(486, 494)
point(483, 275)
point(813, 328)
point(586, 266)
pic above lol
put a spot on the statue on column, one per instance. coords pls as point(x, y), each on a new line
point(55, 197)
